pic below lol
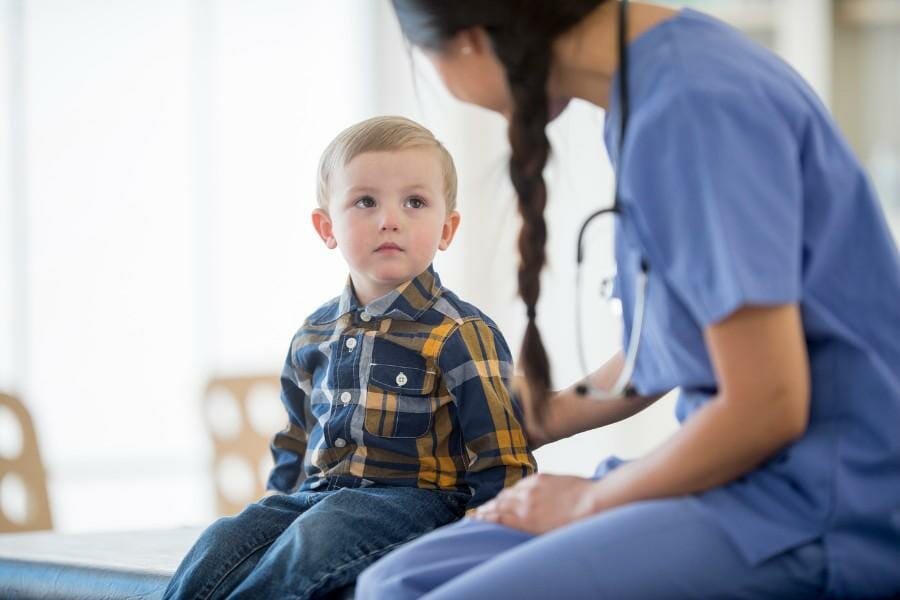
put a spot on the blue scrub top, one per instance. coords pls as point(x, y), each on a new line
point(739, 190)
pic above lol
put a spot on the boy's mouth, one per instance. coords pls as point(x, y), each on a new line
point(388, 247)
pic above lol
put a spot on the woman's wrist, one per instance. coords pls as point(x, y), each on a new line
point(592, 503)
point(610, 491)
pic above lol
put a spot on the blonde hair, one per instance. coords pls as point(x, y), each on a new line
point(382, 134)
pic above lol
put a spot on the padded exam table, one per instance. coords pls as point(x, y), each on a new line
point(52, 566)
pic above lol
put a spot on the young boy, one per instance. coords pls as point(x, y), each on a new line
point(400, 418)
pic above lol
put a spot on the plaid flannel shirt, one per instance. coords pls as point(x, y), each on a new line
point(411, 390)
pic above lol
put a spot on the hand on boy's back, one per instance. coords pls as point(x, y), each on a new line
point(535, 428)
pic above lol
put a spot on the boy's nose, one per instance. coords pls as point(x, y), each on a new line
point(390, 220)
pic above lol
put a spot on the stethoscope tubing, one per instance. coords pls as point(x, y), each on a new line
point(622, 386)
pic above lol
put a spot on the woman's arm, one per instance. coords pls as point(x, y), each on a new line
point(762, 370)
point(567, 413)
point(759, 356)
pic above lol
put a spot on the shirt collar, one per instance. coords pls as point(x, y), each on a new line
point(406, 302)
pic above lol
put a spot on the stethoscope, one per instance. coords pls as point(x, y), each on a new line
point(622, 386)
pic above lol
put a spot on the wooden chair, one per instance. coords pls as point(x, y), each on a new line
point(242, 414)
point(21, 466)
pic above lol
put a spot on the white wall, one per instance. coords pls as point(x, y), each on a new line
point(167, 177)
point(9, 195)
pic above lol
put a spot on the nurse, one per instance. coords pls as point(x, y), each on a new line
point(757, 276)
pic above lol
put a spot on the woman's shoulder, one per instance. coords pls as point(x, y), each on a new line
point(700, 63)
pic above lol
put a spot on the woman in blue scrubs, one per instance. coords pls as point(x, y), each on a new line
point(756, 274)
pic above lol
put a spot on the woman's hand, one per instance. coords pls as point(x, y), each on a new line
point(535, 419)
point(541, 503)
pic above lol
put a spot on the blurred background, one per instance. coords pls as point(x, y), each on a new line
point(157, 171)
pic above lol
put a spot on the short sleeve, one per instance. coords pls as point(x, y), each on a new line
point(713, 183)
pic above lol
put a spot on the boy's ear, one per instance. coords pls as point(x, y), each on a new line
point(322, 222)
point(449, 230)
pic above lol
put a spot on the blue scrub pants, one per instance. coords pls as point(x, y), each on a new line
point(657, 549)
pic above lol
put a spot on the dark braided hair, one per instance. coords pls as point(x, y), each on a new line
point(521, 33)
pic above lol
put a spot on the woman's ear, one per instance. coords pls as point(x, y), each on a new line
point(474, 41)
point(471, 71)
point(322, 223)
point(449, 230)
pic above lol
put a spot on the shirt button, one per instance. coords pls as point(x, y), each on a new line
point(365, 316)
point(401, 379)
point(340, 442)
point(350, 343)
point(345, 397)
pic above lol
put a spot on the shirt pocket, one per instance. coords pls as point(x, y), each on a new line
point(400, 401)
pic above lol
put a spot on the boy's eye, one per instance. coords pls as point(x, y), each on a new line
point(415, 203)
point(365, 202)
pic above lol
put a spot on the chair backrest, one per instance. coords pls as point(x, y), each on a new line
point(242, 414)
point(22, 478)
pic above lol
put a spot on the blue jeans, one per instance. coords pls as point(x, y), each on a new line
point(308, 544)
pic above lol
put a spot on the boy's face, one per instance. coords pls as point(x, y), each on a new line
point(388, 215)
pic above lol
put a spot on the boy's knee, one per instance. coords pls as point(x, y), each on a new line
point(226, 531)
